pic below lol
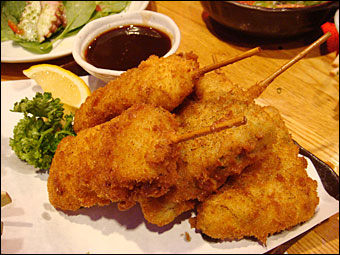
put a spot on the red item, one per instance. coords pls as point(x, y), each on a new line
point(14, 27)
point(98, 8)
point(333, 41)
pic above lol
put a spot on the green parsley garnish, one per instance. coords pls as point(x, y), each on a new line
point(37, 135)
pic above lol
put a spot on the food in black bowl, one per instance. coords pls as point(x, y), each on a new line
point(268, 19)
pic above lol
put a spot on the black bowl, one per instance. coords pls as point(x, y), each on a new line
point(270, 22)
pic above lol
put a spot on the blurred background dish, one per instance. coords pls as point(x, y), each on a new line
point(132, 23)
point(269, 22)
point(12, 53)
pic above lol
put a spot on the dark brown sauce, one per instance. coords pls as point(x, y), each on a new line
point(125, 47)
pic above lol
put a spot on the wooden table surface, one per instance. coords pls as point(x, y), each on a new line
point(306, 95)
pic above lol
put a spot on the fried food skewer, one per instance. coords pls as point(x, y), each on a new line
point(206, 162)
point(203, 172)
point(162, 82)
point(131, 157)
point(268, 197)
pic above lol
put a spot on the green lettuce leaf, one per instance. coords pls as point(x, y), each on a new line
point(10, 10)
point(109, 7)
point(79, 11)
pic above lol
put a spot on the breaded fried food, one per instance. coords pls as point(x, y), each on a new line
point(205, 163)
point(217, 84)
point(130, 157)
point(165, 209)
point(160, 81)
point(268, 197)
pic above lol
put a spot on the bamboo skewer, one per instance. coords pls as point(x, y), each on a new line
point(225, 124)
point(211, 129)
point(256, 90)
point(215, 66)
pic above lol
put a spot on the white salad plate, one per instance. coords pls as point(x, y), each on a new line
point(12, 53)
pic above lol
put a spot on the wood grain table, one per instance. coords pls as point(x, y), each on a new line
point(306, 94)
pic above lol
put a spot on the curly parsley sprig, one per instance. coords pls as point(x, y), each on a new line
point(37, 135)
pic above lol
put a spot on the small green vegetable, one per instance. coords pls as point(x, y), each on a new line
point(37, 135)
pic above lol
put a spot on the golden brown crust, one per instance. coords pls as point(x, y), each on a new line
point(270, 196)
point(205, 163)
point(160, 81)
point(129, 157)
point(132, 159)
point(164, 210)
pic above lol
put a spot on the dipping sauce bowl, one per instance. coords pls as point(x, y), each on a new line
point(108, 46)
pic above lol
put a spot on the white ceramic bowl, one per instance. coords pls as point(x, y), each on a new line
point(98, 26)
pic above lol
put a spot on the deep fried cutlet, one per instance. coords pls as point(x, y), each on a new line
point(160, 81)
point(129, 157)
point(216, 84)
point(205, 163)
point(266, 198)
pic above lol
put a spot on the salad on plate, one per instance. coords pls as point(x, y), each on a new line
point(36, 25)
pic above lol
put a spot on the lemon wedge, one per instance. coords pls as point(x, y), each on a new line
point(63, 84)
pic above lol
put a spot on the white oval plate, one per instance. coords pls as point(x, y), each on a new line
point(11, 53)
